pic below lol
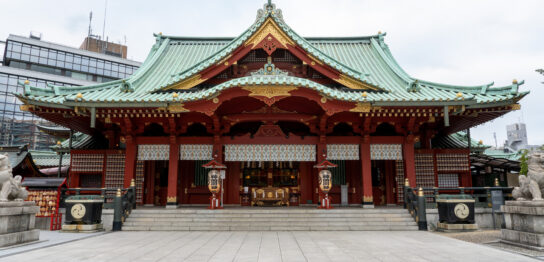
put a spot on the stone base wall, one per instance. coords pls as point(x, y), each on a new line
point(17, 222)
point(524, 222)
point(107, 219)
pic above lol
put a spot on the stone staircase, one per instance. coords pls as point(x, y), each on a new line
point(269, 219)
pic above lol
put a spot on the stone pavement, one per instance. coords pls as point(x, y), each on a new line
point(269, 246)
point(47, 239)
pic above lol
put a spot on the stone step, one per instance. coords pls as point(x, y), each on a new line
point(271, 228)
point(259, 219)
point(262, 224)
point(271, 211)
point(218, 215)
point(266, 219)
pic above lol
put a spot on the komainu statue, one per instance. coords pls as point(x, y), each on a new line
point(11, 188)
point(532, 185)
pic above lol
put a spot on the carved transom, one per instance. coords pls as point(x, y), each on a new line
point(269, 69)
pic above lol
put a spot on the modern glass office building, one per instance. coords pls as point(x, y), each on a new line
point(44, 63)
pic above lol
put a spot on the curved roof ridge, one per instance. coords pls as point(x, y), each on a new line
point(230, 38)
point(65, 90)
point(390, 61)
point(149, 61)
point(388, 57)
point(454, 87)
point(202, 64)
point(237, 42)
point(361, 76)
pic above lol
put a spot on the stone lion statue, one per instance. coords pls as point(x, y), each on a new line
point(10, 187)
point(532, 185)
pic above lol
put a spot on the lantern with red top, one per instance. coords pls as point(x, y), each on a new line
point(325, 182)
point(215, 176)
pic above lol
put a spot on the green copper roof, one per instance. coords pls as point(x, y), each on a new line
point(458, 140)
point(367, 59)
point(500, 153)
point(49, 158)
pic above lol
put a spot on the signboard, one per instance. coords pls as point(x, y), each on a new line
point(344, 195)
point(497, 200)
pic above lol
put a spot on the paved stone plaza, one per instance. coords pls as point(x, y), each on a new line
point(268, 246)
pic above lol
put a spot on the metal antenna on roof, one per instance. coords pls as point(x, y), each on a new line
point(105, 12)
point(495, 136)
point(90, 29)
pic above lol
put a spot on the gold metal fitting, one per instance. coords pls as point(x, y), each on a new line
point(497, 181)
point(79, 96)
point(118, 192)
point(58, 143)
point(27, 82)
point(481, 142)
point(459, 94)
point(132, 183)
point(515, 81)
point(420, 192)
point(364, 94)
point(175, 95)
point(406, 182)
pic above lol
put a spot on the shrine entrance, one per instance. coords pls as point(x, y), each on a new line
point(155, 182)
point(384, 182)
point(270, 183)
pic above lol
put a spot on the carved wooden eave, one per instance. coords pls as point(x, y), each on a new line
point(269, 94)
point(188, 83)
point(363, 108)
point(177, 108)
point(269, 91)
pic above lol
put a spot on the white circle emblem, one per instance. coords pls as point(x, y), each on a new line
point(78, 211)
point(461, 211)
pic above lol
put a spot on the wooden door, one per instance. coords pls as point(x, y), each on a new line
point(231, 185)
point(306, 184)
point(378, 182)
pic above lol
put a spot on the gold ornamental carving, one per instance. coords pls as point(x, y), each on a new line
point(26, 108)
point(368, 199)
point(515, 106)
point(353, 83)
point(270, 91)
point(269, 27)
point(362, 108)
point(188, 82)
point(177, 108)
point(171, 199)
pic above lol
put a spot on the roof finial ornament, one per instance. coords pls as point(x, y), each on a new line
point(269, 9)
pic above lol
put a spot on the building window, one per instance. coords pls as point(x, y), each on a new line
point(448, 180)
point(87, 180)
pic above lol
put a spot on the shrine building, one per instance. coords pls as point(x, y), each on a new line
point(269, 105)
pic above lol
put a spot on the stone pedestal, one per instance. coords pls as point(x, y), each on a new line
point(17, 222)
point(82, 228)
point(453, 228)
point(524, 223)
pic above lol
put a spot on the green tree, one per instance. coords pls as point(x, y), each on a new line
point(523, 163)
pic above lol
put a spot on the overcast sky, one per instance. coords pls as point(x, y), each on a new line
point(463, 42)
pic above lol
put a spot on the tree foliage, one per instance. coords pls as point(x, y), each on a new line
point(524, 168)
